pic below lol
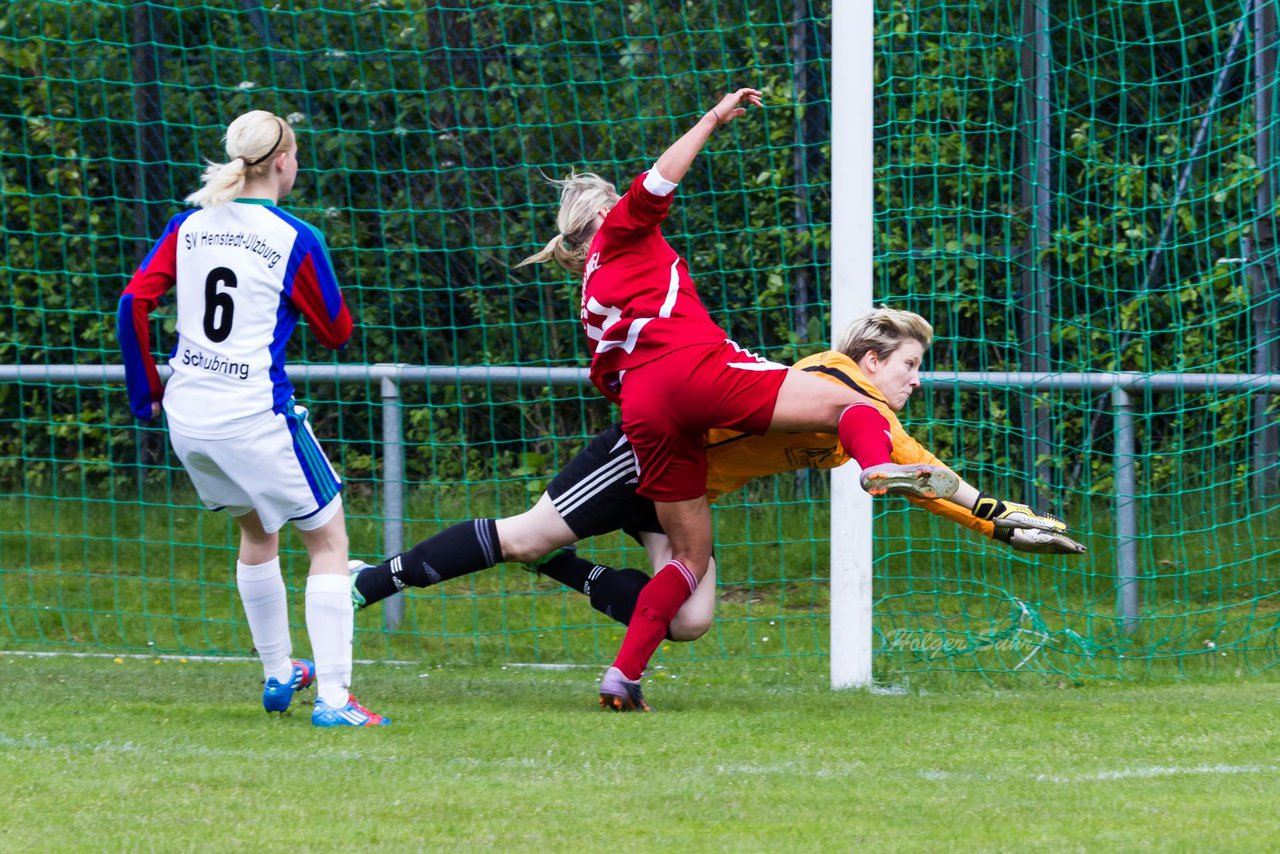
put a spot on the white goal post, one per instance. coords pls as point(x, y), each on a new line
point(852, 133)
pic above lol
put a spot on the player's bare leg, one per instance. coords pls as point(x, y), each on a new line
point(537, 532)
point(327, 546)
point(462, 549)
point(256, 545)
point(688, 526)
point(695, 616)
point(615, 591)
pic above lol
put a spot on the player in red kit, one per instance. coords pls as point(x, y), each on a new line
point(674, 372)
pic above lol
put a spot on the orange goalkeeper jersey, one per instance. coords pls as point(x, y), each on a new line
point(733, 457)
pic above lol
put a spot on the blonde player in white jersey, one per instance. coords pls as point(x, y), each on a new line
point(244, 271)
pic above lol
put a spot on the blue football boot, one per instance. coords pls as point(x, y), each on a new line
point(276, 696)
point(352, 714)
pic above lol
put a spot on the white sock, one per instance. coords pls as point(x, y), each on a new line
point(331, 624)
point(266, 606)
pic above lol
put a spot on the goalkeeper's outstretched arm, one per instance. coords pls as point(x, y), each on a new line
point(1005, 514)
point(1035, 541)
point(884, 348)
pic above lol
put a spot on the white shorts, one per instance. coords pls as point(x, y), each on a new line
point(276, 469)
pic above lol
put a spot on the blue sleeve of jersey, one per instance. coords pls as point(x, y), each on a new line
point(138, 365)
point(310, 244)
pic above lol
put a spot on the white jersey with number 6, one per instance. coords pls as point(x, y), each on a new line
point(243, 273)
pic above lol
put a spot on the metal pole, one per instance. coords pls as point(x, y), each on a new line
point(800, 157)
point(577, 377)
point(802, 24)
point(1126, 514)
point(151, 183)
point(1260, 251)
point(1037, 176)
point(392, 489)
point(1263, 427)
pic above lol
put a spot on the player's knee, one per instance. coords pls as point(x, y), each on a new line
point(326, 540)
point(519, 549)
point(689, 627)
point(696, 562)
point(532, 534)
point(333, 538)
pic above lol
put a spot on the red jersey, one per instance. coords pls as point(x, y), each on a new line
point(638, 299)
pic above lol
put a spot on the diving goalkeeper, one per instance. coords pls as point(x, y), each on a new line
point(879, 354)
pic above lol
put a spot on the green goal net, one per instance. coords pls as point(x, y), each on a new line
point(1087, 189)
point(1078, 191)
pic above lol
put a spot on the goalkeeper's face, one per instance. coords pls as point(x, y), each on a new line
point(898, 374)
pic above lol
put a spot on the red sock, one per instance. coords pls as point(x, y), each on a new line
point(657, 605)
point(864, 435)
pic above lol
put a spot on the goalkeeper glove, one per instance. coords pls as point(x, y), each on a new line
point(1037, 542)
point(1007, 514)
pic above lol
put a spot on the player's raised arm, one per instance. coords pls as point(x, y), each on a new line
point(676, 160)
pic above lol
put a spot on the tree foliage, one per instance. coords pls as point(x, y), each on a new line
point(426, 134)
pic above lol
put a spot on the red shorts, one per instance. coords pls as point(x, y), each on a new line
point(668, 404)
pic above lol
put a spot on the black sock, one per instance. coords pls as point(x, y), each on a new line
point(613, 592)
point(458, 550)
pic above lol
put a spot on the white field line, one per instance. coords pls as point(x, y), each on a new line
point(571, 769)
point(42, 743)
point(1136, 773)
point(189, 659)
point(113, 655)
point(1159, 771)
point(737, 770)
point(793, 768)
point(205, 659)
point(195, 658)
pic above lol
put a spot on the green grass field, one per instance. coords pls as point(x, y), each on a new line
point(167, 755)
point(1060, 734)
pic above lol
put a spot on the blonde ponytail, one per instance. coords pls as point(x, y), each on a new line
point(558, 249)
point(583, 195)
point(251, 141)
